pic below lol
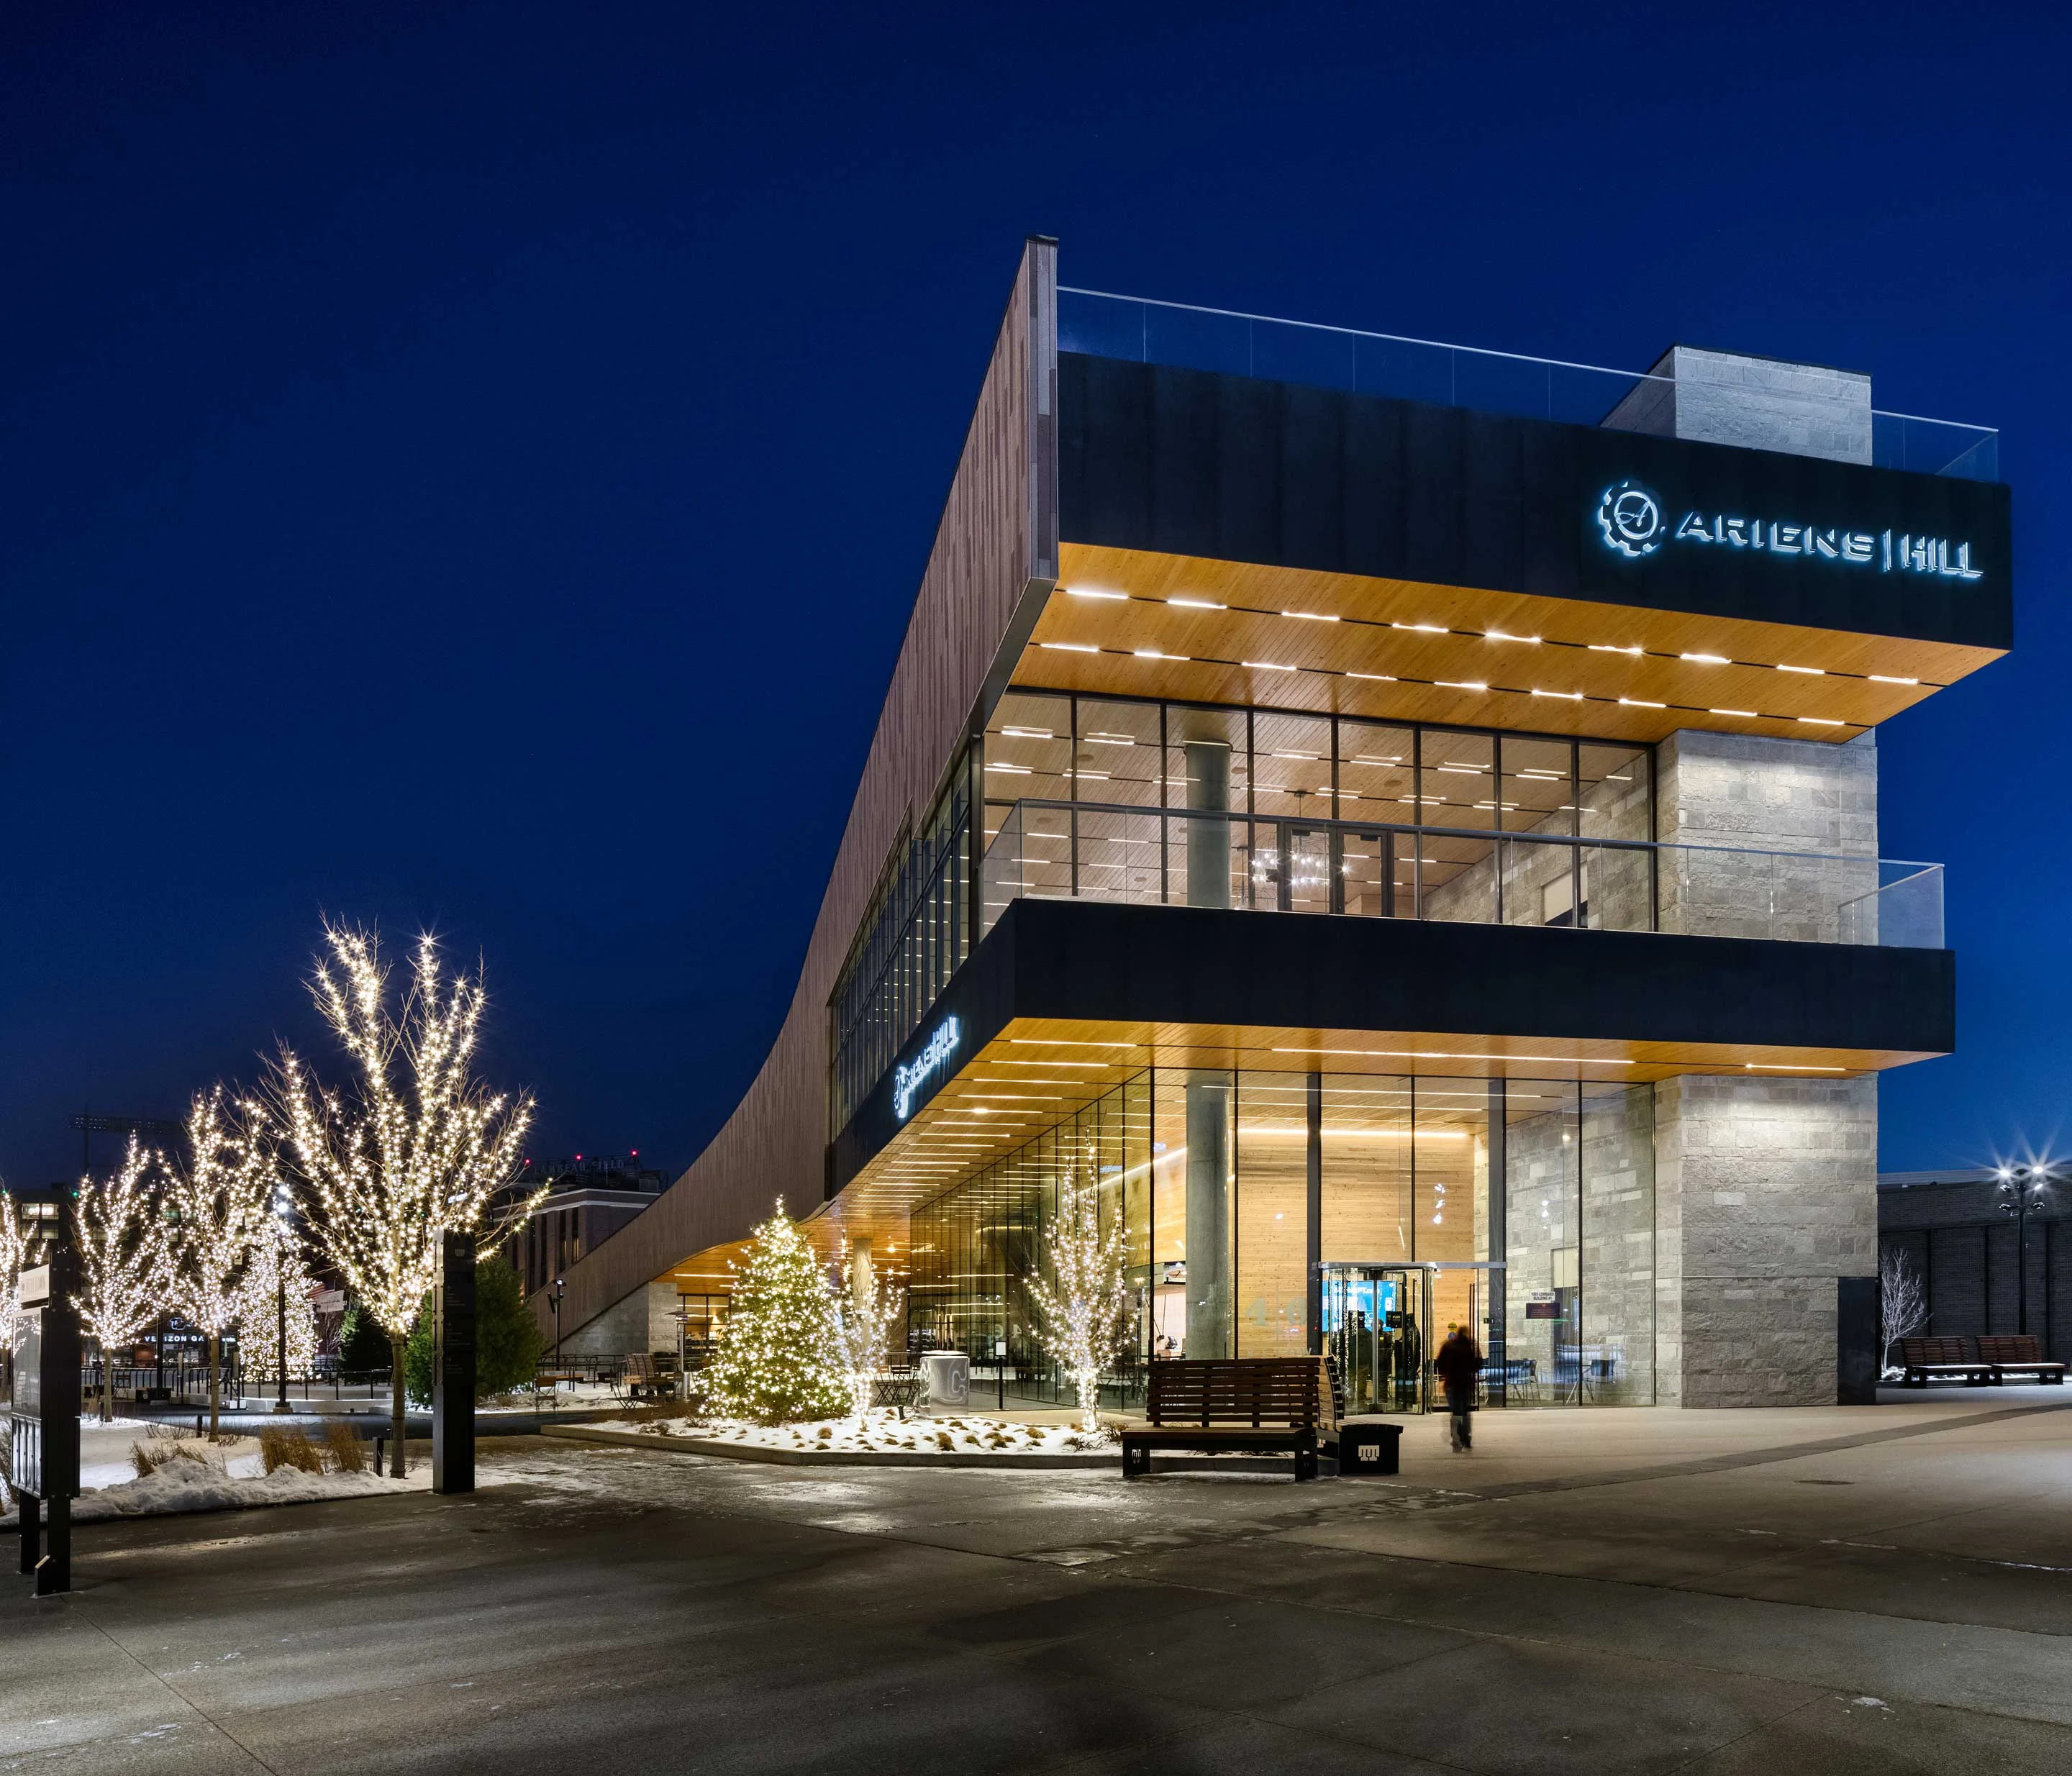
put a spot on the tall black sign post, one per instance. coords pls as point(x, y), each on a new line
point(47, 1396)
point(452, 1367)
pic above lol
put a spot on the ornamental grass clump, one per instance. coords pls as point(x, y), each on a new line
point(289, 1446)
point(348, 1454)
point(780, 1358)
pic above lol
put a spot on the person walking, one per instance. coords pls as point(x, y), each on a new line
point(1458, 1362)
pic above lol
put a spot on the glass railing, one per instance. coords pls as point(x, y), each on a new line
point(1447, 376)
point(1180, 858)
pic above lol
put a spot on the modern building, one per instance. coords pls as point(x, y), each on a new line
point(589, 1198)
point(1402, 821)
point(1982, 1267)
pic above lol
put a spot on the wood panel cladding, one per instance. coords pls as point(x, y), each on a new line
point(993, 561)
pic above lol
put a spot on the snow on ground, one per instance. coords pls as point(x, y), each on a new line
point(202, 1486)
point(880, 1432)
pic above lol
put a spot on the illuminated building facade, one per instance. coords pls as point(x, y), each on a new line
point(1403, 820)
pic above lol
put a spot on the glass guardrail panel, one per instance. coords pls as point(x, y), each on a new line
point(1139, 329)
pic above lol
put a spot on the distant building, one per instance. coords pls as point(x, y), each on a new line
point(1963, 1245)
point(590, 1198)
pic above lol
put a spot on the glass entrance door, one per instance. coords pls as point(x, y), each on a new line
point(1375, 1318)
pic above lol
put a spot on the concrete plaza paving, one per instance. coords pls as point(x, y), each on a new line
point(1882, 1589)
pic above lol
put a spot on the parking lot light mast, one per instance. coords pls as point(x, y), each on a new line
point(2022, 1189)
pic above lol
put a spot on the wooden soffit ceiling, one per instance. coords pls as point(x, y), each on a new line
point(1039, 1072)
point(1132, 623)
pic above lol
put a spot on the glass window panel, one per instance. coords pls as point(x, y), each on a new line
point(1457, 878)
point(1377, 773)
point(1377, 872)
point(1541, 882)
point(1272, 1197)
point(1117, 753)
point(1208, 862)
point(1028, 753)
point(1457, 778)
point(1367, 1153)
point(1291, 765)
point(1615, 792)
point(1538, 786)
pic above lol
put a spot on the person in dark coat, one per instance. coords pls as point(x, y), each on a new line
point(1458, 1362)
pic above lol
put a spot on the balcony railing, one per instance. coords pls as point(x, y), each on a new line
point(1261, 863)
point(1446, 375)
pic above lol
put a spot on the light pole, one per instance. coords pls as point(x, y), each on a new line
point(554, 1301)
point(2022, 1189)
point(283, 1231)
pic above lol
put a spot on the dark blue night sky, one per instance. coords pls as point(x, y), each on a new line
point(469, 465)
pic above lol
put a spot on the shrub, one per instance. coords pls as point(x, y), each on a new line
point(346, 1451)
point(508, 1339)
point(289, 1446)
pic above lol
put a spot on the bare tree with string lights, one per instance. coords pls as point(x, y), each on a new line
point(125, 1263)
point(215, 1201)
point(14, 1250)
point(1084, 1304)
point(415, 1148)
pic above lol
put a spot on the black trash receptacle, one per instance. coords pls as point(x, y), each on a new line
point(1368, 1445)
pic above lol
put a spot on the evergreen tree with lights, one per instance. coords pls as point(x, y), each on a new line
point(779, 1359)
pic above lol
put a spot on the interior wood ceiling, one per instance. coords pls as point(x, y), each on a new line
point(1297, 638)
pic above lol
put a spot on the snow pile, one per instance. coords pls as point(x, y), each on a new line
point(199, 1476)
point(885, 1432)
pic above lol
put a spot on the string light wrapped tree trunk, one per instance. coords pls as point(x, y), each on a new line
point(276, 1285)
point(215, 1204)
point(1083, 1305)
point(414, 1148)
point(13, 1246)
point(866, 1308)
point(779, 1357)
point(126, 1266)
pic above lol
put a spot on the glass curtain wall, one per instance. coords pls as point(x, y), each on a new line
point(1523, 1210)
point(1495, 806)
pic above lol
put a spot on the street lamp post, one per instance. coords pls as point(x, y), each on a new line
point(2022, 1189)
point(554, 1300)
point(283, 1230)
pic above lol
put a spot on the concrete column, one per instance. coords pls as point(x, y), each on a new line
point(1210, 1099)
point(1208, 841)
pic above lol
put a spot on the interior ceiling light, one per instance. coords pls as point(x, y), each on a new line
point(1880, 678)
point(1088, 592)
point(1498, 634)
point(1309, 616)
point(1265, 666)
point(1029, 733)
point(1749, 714)
point(1071, 647)
point(1642, 703)
point(1822, 721)
point(1378, 678)
point(1567, 697)
point(1424, 628)
point(1774, 1066)
point(1457, 684)
point(1606, 648)
point(1152, 653)
point(1017, 770)
point(1707, 659)
point(1197, 604)
point(1810, 672)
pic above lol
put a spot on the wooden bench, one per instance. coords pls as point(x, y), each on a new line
point(2019, 1355)
point(1925, 1359)
point(640, 1380)
point(1258, 1403)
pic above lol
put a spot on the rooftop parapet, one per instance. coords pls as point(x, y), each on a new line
point(1714, 396)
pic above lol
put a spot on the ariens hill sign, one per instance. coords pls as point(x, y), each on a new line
point(1635, 524)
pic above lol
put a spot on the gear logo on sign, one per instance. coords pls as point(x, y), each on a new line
point(1631, 519)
